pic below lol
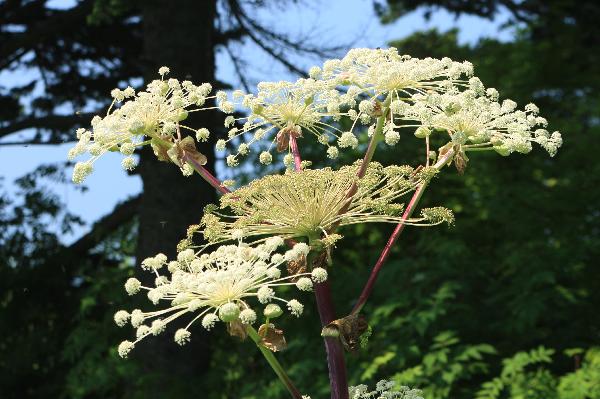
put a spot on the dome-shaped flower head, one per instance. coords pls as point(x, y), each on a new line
point(305, 108)
point(382, 72)
point(383, 82)
point(312, 203)
point(225, 285)
point(475, 120)
point(385, 389)
point(153, 116)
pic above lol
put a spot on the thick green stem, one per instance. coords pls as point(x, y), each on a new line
point(375, 139)
point(283, 377)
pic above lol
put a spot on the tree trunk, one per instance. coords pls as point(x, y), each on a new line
point(178, 34)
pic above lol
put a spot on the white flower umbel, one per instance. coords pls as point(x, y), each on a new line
point(386, 390)
point(312, 203)
point(223, 285)
point(435, 94)
point(134, 119)
point(475, 120)
point(377, 73)
point(305, 108)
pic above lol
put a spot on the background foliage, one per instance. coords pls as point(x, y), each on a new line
point(502, 305)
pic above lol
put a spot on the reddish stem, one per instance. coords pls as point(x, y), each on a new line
point(295, 153)
point(336, 365)
point(368, 288)
point(206, 175)
point(338, 378)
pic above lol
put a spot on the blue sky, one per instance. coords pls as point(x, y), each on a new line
point(344, 21)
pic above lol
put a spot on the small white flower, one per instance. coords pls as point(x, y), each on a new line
point(142, 331)
point(332, 152)
point(288, 160)
point(265, 158)
point(209, 320)
point(157, 327)
point(348, 139)
point(128, 163)
point(121, 318)
point(132, 286)
point(392, 137)
point(125, 347)
point(232, 161)
point(295, 307)
point(202, 134)
point(265, 294)
point(302, 248)
point(182, 336)
point(137, 318)
point(304, 284)
point(237, 234)
point(319, 274)
point(248, 316)
point(81, 171)
point(220, 146)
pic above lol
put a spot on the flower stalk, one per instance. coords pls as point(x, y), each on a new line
point(201, 170)
point(336, 364)
point(368, 288)
point(206, 175)
point(375, 139)
point(275, 365)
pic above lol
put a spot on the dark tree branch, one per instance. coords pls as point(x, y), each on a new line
point(237, 12)
point(239, 69)
point(227, 36)
point(57, 122)
point(297, 46)
point(46, 29)
point(33, 142)
point(121, 214)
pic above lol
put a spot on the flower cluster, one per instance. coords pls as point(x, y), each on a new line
point(283, 109)
point(216, 286)
point(384, 390)
point(430, 94)
point(312, 203)
point(383, 72)
point(154, 114)
point(475, 119)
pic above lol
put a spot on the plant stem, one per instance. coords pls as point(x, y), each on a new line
point(338, 379)
point(275, 365)
point(336, 364)
point(295, 153)
point(368, 288)
point(375, 139)
point(202, 171)
point(206, 175)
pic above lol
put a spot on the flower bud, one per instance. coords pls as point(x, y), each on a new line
point(229, 312)
point(272, 311)
point(422, 132)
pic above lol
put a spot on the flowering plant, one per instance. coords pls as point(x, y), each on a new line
point(229, 267)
